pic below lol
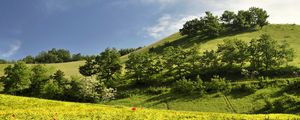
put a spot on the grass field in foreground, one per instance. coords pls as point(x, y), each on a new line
point(23, 108)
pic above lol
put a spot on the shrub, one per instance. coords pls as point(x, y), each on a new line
point(188, 86)
point(184, 86)
point(293, 87)
point(218, 84)
point(108, 94)
point(285, 104)
point(51, 90)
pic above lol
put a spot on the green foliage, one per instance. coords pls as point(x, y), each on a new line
point(53, 56)
point(285, 104)
point(175, 61)
point(209, 59)
point(213, 26)
point(88, 69)
point(17, 78)
point(108, 66)
point(38, 77)
point(187, 86)
point(210, 25)
point(245, 88)
point(52, 90)
point(126, 51)
point(266, 53)
point(233, 52)
point(218, 84)
point(143, 68)
point(29, 59)
point(191, 27)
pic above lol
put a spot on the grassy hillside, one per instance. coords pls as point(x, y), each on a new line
point(235, 102)
point(69, 68)
point(32, 108)
point(290, 33)
point(280, 32)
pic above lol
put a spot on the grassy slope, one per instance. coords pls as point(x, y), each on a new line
point(69, 68)
point(290, 33)
point(241, 102)
point(278, 32)
point(13, 107)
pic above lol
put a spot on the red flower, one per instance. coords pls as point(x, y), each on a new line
point(134, 109)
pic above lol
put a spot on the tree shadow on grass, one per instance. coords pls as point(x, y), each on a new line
point(169, 97)
point(239, 94)
point(188, 41)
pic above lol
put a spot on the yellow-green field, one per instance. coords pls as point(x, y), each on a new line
point(23, 108)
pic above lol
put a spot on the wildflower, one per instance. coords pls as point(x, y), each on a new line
point(141, 108)
point(134, 109)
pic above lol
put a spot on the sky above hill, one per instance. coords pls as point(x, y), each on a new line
point(89, 26)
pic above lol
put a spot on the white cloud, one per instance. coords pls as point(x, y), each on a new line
point(167, 25)
point(13, 49)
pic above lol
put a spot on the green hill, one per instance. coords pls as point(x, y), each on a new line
point(24, 108)
point(235, 102)
point(280, 32)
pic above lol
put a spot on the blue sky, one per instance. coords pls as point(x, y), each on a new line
point(89, 26)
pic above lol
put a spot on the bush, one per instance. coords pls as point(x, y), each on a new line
point(292, 87)
point(285, 104)
point(218, 84)
point(51, 90)
point(187, 86)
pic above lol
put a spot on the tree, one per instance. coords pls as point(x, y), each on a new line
point(244, 21)
point(266, 53)
point(77, 57)
point(88, 69)
point(209, 60)
point(29, 59)
point(108, 66)
point(17, 78)
point(175, 61)
point(38, 78)
point(260, 16)
point(190, 28)
point(59, 77)
point(228, 18)
point(51, 89)
point(210, 25)
point(144, 68)
point(193, 61)
point(233, 52)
